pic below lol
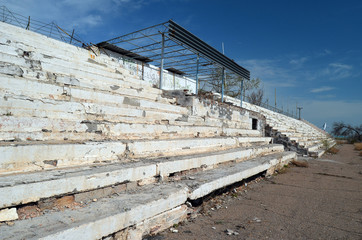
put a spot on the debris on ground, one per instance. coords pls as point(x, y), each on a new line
point(231, 232)
point(299, 163)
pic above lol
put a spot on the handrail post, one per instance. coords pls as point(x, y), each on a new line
point(162, 60)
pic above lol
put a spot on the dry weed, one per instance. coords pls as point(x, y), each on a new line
point(333, 150)
point(300, 163)
point(358, 146)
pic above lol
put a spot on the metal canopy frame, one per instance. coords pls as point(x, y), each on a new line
point(169, 46)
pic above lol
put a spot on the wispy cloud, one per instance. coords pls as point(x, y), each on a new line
point(270, 72)
point(299, 61)
point(321, 89)
point(340, 66)
point(336, 71)
point(80, 14)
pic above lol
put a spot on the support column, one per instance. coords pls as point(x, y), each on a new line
point(222, 84)
point(162, 60)
point(197, 74)
point(241, 92)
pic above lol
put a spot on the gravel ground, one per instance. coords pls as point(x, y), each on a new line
point(321, 201)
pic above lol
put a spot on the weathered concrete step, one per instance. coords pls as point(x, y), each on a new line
point(36, 156)
point(78, 78)
point(157, 148)
point(204, 183)
point(31, 187)
point(55, 49)
point(321, 144)
point(44, 91)
point(47, 129)
point(306, 139)
point(27, 156)
point(25, 108)
point(101, 218)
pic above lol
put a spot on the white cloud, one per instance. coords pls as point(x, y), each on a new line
point(340, 66)
point(337, 71)
point(321, 89)
point(270, 72)
point(69, 14)
point(299, 61)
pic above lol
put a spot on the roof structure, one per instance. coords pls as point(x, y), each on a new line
point(170, 46)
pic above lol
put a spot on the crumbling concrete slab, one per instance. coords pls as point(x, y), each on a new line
point(101, 218)
point(31, 187)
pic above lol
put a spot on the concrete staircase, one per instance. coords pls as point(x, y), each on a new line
point(88, 151)
point(296, 135)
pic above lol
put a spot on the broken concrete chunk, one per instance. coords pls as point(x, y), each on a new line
point(8, 214)
point(231, 232)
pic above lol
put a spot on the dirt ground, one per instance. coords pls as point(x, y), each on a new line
point(322, 201)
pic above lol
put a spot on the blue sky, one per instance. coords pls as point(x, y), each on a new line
point(309, 51)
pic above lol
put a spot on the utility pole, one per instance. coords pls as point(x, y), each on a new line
point(275, 98)
point(299, 108)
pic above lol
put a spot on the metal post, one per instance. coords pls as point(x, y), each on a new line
point(197, 74)
point(28, 26)
point(299, 108)
point(162, 55)
point(275, 98)
point(241, 92)
point(222, 84)
point(71, 38)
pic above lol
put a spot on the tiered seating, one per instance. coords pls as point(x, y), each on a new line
point(297, 132)
point(78, 125)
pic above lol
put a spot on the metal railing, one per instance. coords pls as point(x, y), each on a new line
point(51, 29)
point(274, 109)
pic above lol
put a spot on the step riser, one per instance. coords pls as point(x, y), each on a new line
point(43, 156)
point(18, 158)
point(221, 182)
point(210, 161)
point(190, 146)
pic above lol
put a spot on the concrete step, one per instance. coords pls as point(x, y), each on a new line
point(102, 218)
point(56, 50)
point(31, 187)
point(204, 183)
point(35, 90)
point(122, 109)
point(133, 208)
point(61, 75)
point(38, 155)
point(46, 129)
